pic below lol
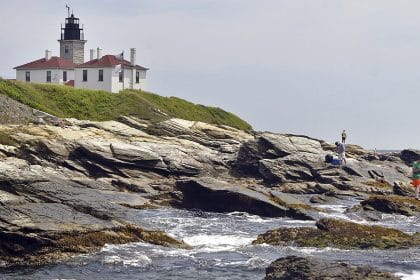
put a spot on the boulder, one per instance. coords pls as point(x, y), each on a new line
point(287, 144)
point(392, 204)
point(339, 234)
point(270, 146)
point(213, 195)
point(307, 268)
point(291, 168)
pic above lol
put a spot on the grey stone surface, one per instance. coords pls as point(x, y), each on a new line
point(300, 268)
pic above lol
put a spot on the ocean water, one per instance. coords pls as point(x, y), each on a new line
point(222, 249)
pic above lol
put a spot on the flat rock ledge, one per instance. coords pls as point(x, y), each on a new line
point(299, 268)
point(20, 249)
point(340, 234)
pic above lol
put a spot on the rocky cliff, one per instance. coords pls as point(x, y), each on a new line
point(70, 189)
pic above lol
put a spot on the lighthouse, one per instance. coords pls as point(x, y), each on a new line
point(72, 43)
point(104, 72)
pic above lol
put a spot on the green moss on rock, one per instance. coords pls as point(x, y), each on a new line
point(84, 241)
point(392, 204)
point(20, 249)
point(340, 234)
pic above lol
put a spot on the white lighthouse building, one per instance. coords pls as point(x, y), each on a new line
point(110, 73)
point(103, 72)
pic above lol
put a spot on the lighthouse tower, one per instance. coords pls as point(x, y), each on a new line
point(72, 43)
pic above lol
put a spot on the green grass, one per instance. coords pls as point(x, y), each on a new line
point(96, 105)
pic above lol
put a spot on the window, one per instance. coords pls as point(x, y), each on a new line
point(66, 49)
point(137, 77)
point(84, 75)
point(121, 76)
point(48, 76)
point(101, 75)
point(27, 76)
point(64, 76)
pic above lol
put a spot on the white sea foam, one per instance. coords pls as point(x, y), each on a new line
point(250, 217)
point(256, 262)
point(253, 262)
point(414, 276)
point(172, 252)
point(134, 259)
point(115, 247)
point(333, 207)
point(312, 250)
point(215, 243)
point(338, 215)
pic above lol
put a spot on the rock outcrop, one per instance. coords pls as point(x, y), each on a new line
point(88, 179)
point(284, 161)
point(339, 234)
point(393, 204)
point(299, 268)
point(213, 195)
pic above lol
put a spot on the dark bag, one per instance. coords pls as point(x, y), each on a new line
point(329, 158)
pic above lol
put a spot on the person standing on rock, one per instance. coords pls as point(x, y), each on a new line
point(416, 178)
point(343, 136)
point(341, 150)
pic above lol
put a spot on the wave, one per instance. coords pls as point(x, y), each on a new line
point(215, 243)
point(414, 276)
point(134, 260)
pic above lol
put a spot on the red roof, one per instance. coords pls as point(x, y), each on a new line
point(109, 61)
point(53, 63)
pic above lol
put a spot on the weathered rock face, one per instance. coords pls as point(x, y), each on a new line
point(299, 268)
point(269, 154)
point(213, 195)
point(88, 177)
point(339, 234)
point(391, 204)
point(61, 188)
point(287, 160)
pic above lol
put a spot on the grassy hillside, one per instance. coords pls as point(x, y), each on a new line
point(68, 102)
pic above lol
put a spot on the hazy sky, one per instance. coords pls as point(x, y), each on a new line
point(308, 67)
